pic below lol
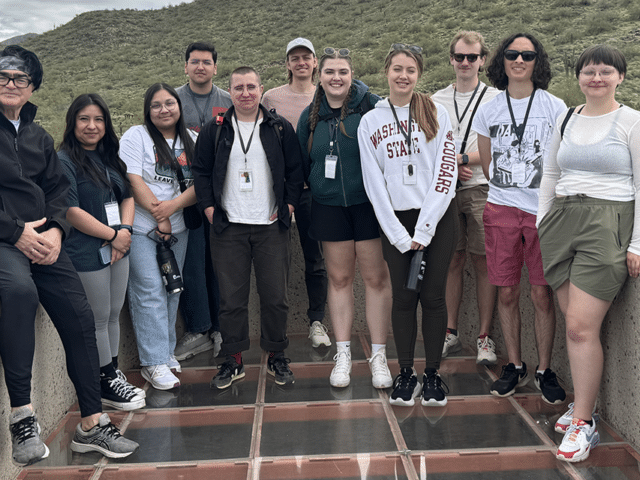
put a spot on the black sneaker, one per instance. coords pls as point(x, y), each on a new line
point(27, 447)
point(547, 383)
point(120, 395)
point(104, 438)
point(228, 373)
point(405, 388)
point(434, 390)
point(509, 380)
point(278, 366)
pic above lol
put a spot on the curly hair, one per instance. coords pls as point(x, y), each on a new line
point(541, 75)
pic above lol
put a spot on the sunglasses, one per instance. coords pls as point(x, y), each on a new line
point(412, 48)
point(459, 57)
point(342, 52)
point(527, 56)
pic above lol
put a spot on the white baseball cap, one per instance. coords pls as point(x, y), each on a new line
point(300, 42)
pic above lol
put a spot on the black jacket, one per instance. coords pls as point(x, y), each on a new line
point(283, 155)
point(32, 183)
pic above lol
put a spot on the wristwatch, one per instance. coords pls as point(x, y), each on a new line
point(465, 159)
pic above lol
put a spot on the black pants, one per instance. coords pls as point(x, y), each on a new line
point(22, 286)
point(431, 294)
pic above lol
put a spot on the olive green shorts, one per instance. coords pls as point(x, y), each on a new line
point(585, 240)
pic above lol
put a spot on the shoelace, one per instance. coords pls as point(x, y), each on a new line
point(280, 364)
point(24, 429)
point(404, 380)
point(435, 381)
point(110, 430)
point(227, 368)
point(486, 344)
point(378, 363)
point(121, 388)
point(342, 363)
point(318, 329)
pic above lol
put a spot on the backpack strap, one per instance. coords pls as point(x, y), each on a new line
point(566, 120)
point(473, 114)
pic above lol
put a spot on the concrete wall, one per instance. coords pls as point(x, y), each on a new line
point(618, 402)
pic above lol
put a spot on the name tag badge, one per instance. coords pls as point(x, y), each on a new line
point(113, 213)
point(518, 172)
point(409, 174)
point(246, 180)
point(330, 163)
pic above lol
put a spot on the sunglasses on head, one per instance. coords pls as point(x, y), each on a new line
point(412, 48)
point(459, 57)
point(527, 56)
point(342, 52)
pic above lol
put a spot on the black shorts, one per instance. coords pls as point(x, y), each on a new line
point(339, 224)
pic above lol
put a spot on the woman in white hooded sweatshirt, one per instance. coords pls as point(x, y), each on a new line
point(410, 177)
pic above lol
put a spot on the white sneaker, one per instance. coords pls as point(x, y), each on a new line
point(174, 364)
point(318, 335)
point(381, 376)
point(341, 373)
point(216, 337)
point(451, 344)
point(139, 391)
point(562, 424)
point(160, 377)
point(578, 441)
point(486, 351)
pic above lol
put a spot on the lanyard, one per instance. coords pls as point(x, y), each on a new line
point(455, 104)
point(407, 136)
point(333, 134)
point(201, 113)
point(246, 149)
point(519, 130)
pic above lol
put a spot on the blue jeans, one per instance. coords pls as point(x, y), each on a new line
point(153, 310)
point(200, 300)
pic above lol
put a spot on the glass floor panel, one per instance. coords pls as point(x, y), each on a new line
point(256, 429)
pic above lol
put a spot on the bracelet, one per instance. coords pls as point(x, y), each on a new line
point(114, 236)
point(127, 227)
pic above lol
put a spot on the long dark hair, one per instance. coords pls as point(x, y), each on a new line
point(164, 152)
point(107, 146)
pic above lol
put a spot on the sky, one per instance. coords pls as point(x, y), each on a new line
point(18, 17)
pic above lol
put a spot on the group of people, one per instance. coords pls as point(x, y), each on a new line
point(506, 173)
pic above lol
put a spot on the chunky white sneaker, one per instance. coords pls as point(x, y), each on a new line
point(578, 441)
point(452, 344)
point(380, 374)
point(318, 335)
point(486, 351)
point(160, 377)
point(174, 364)
point(341, 373)
point(565, 420)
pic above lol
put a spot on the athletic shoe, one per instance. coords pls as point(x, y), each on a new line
point(452, 344)
point(405, 388)
point(565, 420)
point(509, 380)
point(216, 337)
point(27, 447)
point(340, 375)
point(318, 335)
point(278, 366)
point(547, 383)
point(578, 441)
point(160, 377)
point(120, 395)
point(138, 390)
point(380, 374)
point(228, 372)
point(174, 364)
point(191, 344)
point(104, 438)
point(434, 390)
point(486, 351)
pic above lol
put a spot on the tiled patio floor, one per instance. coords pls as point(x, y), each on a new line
point(258, 430)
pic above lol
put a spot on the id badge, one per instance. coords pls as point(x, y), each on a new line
point(409, 174)
point(518, 172)
point(246, 180)
point(113, 213)
point(330, 163)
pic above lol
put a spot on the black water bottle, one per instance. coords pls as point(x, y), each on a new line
point(169, 269)
point(416, 271)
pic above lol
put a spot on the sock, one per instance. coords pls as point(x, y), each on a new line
point(108, 371)
point(590, 422)
point(541, 372)
point(114, 360)
point(344, 346)
point(237, 357)
point(376, 347)
point(481, 337)
point(518, 367)
point(453, 331)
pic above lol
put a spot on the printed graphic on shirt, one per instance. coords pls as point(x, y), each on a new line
point(166, 174)
point(447, 174)
point(518, 164)
point(397, 148)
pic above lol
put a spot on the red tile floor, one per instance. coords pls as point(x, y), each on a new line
point(258, 430)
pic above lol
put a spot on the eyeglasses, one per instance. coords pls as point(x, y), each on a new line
point(459, 57)
point(21, 81)
point(603, 73)
point(412, 48)
point(169, 105)
point(527, 56)
point(342, 52)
